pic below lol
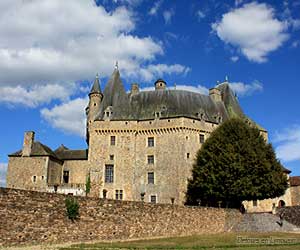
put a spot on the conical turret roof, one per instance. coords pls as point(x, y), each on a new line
point(96, 86)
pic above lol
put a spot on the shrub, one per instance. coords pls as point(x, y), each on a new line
point(72, 206)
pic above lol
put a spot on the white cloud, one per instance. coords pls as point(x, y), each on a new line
point(234, 58)
point(153, 71)
point(200, 14)
point(168, 14)
point(238, 2)
point(253, 29)
point(288, 141)
point(154, 9)
point(68, 117)
point(197, 89)
point(54, 41)
point(35, 95)
point(3, 170)
point(295, 44)
point(242, 89)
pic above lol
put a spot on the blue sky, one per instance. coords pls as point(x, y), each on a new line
point(51, 50)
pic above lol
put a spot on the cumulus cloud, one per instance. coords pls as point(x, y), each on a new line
point(253, 29)
point(238, 2)
point(243, 89)
point(197, 89)
point(154, 9)
point(3, 170)
point(234, 58)
point(38, 45)
point(168, 14)
point(200, 14)
point(68, 116)
point(288, 144)
point(35, 95)
point(152, 71)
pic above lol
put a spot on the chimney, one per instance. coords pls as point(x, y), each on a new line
point(28, 143)
point(215, 94)
point(134, 88)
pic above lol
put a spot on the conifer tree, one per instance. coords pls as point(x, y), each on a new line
point(235, 164)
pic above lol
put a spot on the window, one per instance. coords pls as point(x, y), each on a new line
point(188, 155)
point(119, 194)
point(43, 177)
point(255, 203)
point(150, 159)
point(150, 177)
point(153, 198)
point(109, 173)
point(66, 177)
point(201, 137)
point(34, 178)
point(111, 157)
point(150, 141)
point(113, 140)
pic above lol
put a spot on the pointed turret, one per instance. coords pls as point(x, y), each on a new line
point(96, 86)
point(93, 109)
point(115, 98)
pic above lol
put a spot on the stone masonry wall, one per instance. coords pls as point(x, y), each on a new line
point(22, 171)
point(29, 217)
point(290, 214)
point(295, 195)
point(176, 142)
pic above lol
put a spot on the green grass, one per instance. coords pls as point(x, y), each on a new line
point(226, 241)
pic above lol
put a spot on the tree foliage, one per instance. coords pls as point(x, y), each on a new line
point(72, 207)
point(235, 164)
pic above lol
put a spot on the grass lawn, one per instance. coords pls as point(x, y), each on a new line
point(228, 241)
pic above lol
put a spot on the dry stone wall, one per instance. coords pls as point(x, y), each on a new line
point(29, 217)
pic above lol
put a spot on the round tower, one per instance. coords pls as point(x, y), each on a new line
point(93, 108)
point(160, 84)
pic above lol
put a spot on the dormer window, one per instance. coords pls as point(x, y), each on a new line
point(157, 115)
point(108, 113)
point(201, 114)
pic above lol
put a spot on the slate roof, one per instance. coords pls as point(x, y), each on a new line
point(168, 103)
point(295, 181)
point(96, 86)
point(38, 149)
point(62, 153)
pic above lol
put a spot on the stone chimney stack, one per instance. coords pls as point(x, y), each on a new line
point(215, 94)
point(28, 143)
point(135, 88)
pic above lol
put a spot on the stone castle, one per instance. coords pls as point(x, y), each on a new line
point(141, 145)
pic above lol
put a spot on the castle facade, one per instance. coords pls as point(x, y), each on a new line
point(141, 144)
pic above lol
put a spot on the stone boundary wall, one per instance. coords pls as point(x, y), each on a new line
point(290, 214)
point(28, 217)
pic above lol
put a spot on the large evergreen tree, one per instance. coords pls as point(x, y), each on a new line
point(235, 164)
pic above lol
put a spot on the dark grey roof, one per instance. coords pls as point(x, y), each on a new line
point(38, 149)
point(168, 103)
point(114, 95)
point(63, 153)
point(96, 86)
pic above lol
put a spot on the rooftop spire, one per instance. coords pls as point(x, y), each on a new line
point(226, 78)
point(117, 65)
point(96, 86)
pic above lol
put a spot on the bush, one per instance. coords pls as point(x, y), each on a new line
point(72, 206)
